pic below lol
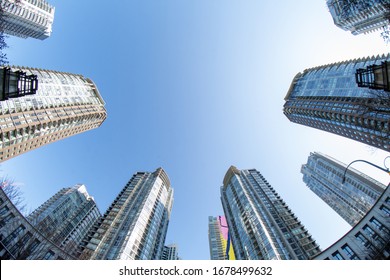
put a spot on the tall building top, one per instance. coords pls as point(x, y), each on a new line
point(27, 18)
point(359, 16)
point(170, 252)
point(62, 105)
point(330, 98)
point(136, 223)
point(229, 174)
point(160, 172)
point(66, 217)
point(261, 225)
point(376, 185)
point(342, 72)
point(351, 199)
point(20, 240)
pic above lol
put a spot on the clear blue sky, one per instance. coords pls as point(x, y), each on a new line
point(194, 87)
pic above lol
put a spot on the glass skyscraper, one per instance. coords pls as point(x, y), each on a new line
point(135, 225)
point(369, 239)
point(262, 226)
point(62, 105)
point(220, 242)
point(66, 218)
point(351, 200)
point(328, 98)
point(55, 230)
point(359, 16)
point(27, 18)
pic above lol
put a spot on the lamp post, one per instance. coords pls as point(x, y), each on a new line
point(385, 169)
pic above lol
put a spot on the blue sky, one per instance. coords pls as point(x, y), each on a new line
point(193, 87)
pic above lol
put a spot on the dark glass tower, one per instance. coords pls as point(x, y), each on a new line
point(262, 226)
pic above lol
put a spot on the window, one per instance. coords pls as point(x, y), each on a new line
point(337, 256)
point(49, 255)
point(385, 210)
point(4, 221)
point(19, 230)
point(369, 231)
point(33, 245)
point(359, 236)
point(376, 223)
point(4, 210)
point(349, 252)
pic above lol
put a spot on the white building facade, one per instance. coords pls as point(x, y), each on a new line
point(27, 18)
point(64, 104)
point(359, 17)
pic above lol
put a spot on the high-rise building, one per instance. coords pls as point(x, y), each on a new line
point(329, 98)
point(54, 230)
point(135, 225)
point(261, 224)
point(359, 16)
point(62, 105)
point(66, 217)
point(220, 242)
point(351, 199)
point(369, 239)
point(170, 252)
point(20, 240)
point(27, 18)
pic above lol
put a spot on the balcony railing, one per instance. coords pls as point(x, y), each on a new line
point(374, 76)
point(15, 84)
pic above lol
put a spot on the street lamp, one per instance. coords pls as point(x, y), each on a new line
point(385, 169)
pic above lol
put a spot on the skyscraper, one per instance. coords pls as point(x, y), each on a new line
point(27, 18)
point(220, 242)
point(19, 240)
point(62, 105)
point(135, 225)
point(328, 98)
point(351, 200)
point(359, 16)
point(54, 230)
point(369, 239)
point(170, 252)
point(66, 217)
point(261, 224)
